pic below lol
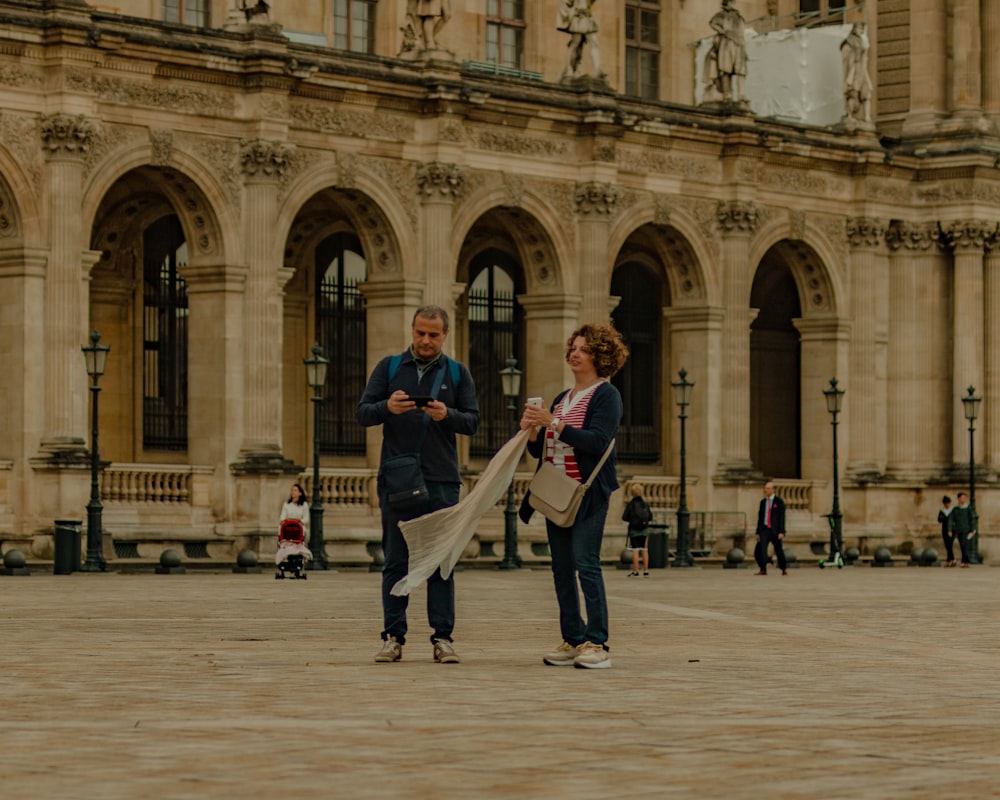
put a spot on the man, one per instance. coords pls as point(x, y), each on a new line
point(962, 523)
point(727, 60)
point(429, 429)
point(770, 530)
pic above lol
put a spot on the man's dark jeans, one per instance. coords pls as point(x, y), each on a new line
point(440, 593)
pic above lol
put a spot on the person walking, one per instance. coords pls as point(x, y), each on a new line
point(638, 515)
point(770, 530)
point(422, 399)
point(962, 525)
point(949, 538)
point(578, 428)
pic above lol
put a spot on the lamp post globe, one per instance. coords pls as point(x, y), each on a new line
point(682, 398)
point(510, 382)
point(316, 370)
point(95, 356)
point(834, 403)
point(970, 407)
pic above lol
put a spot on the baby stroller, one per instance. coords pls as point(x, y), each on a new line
point(292, 551)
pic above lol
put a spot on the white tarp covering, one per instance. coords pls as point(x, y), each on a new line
point(791, 74)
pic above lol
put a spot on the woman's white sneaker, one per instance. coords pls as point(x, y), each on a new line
point(591, 656)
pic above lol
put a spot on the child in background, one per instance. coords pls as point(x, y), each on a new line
point(638, 515)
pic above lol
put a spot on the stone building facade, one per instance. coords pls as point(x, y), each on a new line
point(215, 189)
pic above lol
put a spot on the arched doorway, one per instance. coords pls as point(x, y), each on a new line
point(775, 371)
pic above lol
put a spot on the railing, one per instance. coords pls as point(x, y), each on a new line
point(149, 483)
point(796, 494)
point(493, 68)
point(345, 488)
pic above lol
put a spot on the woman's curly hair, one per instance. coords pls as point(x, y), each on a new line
point(604, 345)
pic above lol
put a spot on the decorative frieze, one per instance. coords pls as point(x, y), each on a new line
point(645, 161)
point(336, 119)
point(65, 134)
point(912, 236)
point(596, 198)
point(522, 145)
point(174, 96)
point(973, 234)
point(865, 231)
point(445, 180)
point(737, 215)
point(260, 157)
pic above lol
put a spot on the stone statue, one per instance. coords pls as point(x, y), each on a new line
point(575, 18)
point(424, 21)
point(857, 81)
point(257, 9)
point(726, 62)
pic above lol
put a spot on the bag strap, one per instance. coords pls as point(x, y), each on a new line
point(426, 422)
point(600, 464)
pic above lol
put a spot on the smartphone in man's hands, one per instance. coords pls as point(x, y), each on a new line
point(421, 399)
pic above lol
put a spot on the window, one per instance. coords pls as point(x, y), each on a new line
point(164, 335)
point(189, 12)
point(639, 317)
point(496, 332)
point(813, 11)
point(505, 33)
point(642, 48)
point(340, 331)
point(354, 25)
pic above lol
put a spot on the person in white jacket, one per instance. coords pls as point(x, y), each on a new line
point(298, 509)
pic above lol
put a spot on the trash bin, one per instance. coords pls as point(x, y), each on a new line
point(67, 541)
point(656, 540)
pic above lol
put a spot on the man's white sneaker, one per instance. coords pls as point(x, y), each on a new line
point(562, 656)
point(391, 651)
point(444, 653)
point(591, 656)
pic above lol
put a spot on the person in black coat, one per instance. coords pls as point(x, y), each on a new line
point(770, 530)
point(946, 534)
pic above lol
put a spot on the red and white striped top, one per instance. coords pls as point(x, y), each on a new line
point(572, 410)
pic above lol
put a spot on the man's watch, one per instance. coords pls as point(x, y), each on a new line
point(554, 425)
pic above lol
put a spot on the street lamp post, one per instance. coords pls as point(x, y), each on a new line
point(510, 381)
point(316, 377)
point(834, 403)
point(95, 356)
point(970, 405)
point(682, 397)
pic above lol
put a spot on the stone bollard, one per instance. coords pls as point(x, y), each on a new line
point(246, 563)
point(882, 558)
point(929, 558)
point(734, 559)
point(791, 560)
point(851, 556)
point(14, 563)
point(916, 554)
point(170, 563)
point(378, 557)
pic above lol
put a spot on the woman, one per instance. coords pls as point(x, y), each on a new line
point(294, 508)
point(946, 534)
point(578, 427)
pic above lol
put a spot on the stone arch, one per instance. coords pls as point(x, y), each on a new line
point(542, 244)
point(202, 206)
point(378, 218)
point(808, 254)
point(675, 239)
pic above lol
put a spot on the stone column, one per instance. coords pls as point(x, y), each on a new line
point(917, 313)
point(437, 187)
point(991, 57)
point(928, 66)
point(548, 322)
point(595, 204)
point(990, 417)
point(65, 140)
point(737, 220)
point(965, 51)
point(263, 164)
point(967, 240)
point(866, 375)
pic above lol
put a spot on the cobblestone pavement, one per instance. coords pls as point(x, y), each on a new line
point(857, 683)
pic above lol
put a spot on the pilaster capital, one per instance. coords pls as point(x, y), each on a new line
point(912, 235)
point(966, 235)
point(261, 158)
point(865, 231)
point(592, 197)
point(440, 180)
point(63, 134)
point(737, 215)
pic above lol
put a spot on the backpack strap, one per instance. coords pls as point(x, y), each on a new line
point(453, 368)
point(394, 363)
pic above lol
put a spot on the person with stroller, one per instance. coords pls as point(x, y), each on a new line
point(293, 527)
point(638, 515)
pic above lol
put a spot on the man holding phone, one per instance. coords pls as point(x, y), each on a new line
point(422, 399)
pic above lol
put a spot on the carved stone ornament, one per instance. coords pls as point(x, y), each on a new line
point(62, 133)
point(865, 231)
point(973, 234)
point(737, 215)
point(446, 180)
point(596, 198)
point(912, 236)
point(162, 142)
point(259, 157)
